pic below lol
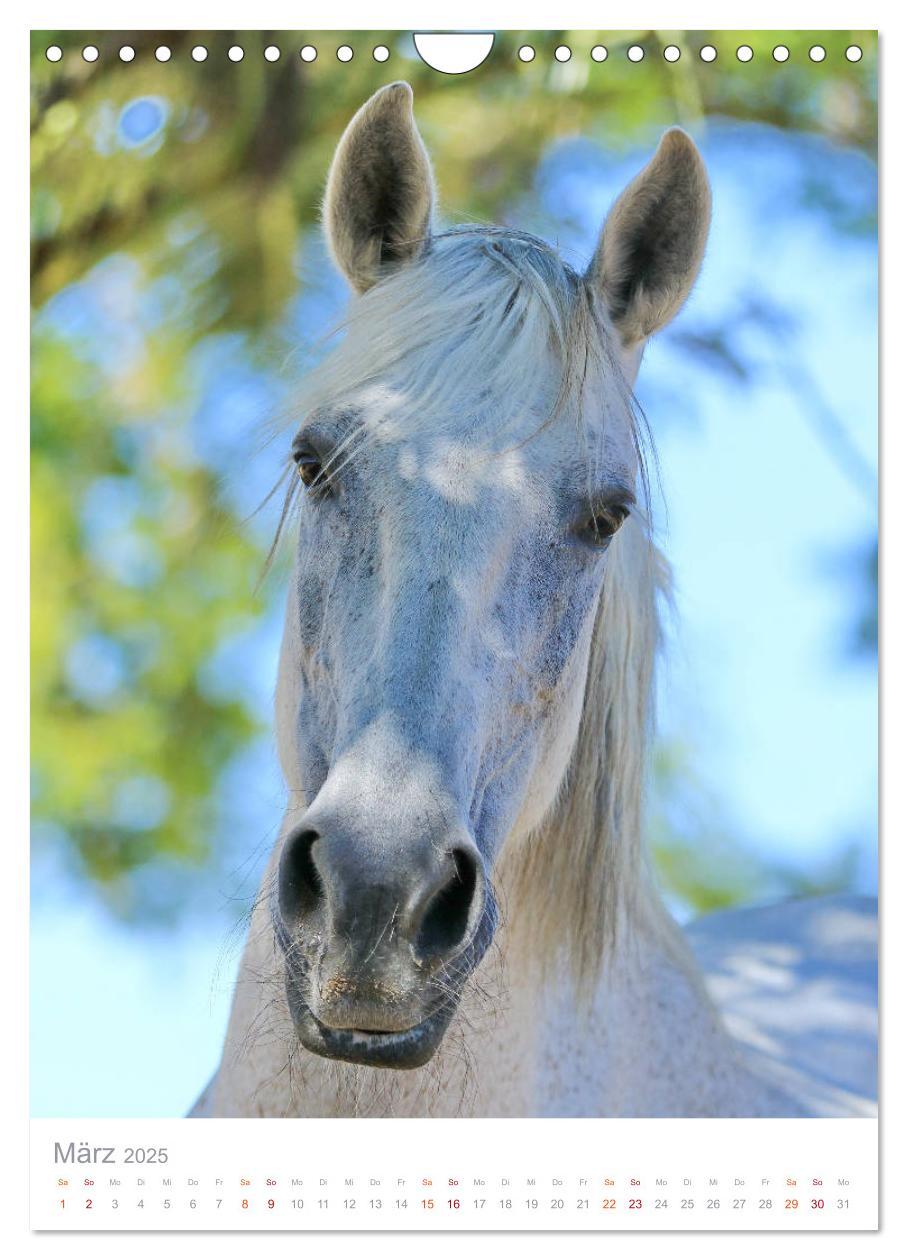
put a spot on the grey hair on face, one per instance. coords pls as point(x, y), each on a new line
point(491, 324)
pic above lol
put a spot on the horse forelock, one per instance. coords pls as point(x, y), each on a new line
point(489, 322)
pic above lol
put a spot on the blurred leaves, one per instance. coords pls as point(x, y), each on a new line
point(174, 269)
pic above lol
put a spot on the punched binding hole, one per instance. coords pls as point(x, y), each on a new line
point(817, 53)
point(672, 53)
point(235, 53)
point(90, 53)
point(780, 53)
point(853, 52)
point(745, 53)
point(526, 53)
point(272, 53)
point(127, 53)
point(345, 53)
point(453, 53)
point(599, 53)
point(308, 53)
point(381, 53)
point(199, 53)
point(54, 52)
point(635, 53)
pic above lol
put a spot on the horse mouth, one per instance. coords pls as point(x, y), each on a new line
point(404, 1050)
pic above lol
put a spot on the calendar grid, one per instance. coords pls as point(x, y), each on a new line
point(454, 1175)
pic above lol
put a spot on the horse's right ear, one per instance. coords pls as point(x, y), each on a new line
point(378, 202)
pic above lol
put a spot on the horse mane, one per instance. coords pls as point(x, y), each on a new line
point(467, 325)
point(582, 879)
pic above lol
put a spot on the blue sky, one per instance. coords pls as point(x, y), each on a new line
point(757, 517)
point(758, 510)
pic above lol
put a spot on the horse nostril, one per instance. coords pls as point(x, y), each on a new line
point(300, 886)
point(450, 911)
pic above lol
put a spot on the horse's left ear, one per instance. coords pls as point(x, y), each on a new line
point(380, 193)
point(653, 240)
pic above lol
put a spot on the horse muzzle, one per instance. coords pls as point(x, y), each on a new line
point(403, 1049)
point(378, 944)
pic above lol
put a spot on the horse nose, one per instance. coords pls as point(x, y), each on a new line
point(431, 902)
point(445, 914)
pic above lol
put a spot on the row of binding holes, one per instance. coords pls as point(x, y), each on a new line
point(526, 53)
point(673, 53)
point(235, 53)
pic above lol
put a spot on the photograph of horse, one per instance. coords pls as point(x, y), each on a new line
point(458, 917)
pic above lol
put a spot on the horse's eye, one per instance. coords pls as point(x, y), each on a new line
point(603, 525)
point(309, 467)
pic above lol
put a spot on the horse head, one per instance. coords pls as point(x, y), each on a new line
point(469, 476)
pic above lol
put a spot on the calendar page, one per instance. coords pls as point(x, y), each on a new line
point(454, 630)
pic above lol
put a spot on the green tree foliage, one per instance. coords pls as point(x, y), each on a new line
point(172, 203)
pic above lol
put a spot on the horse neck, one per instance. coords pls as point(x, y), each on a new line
point(644, 1039)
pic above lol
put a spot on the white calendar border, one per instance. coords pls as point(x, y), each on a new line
point(57, 14)
point(472, 15)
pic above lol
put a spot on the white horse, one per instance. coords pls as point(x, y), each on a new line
point(457, 919)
